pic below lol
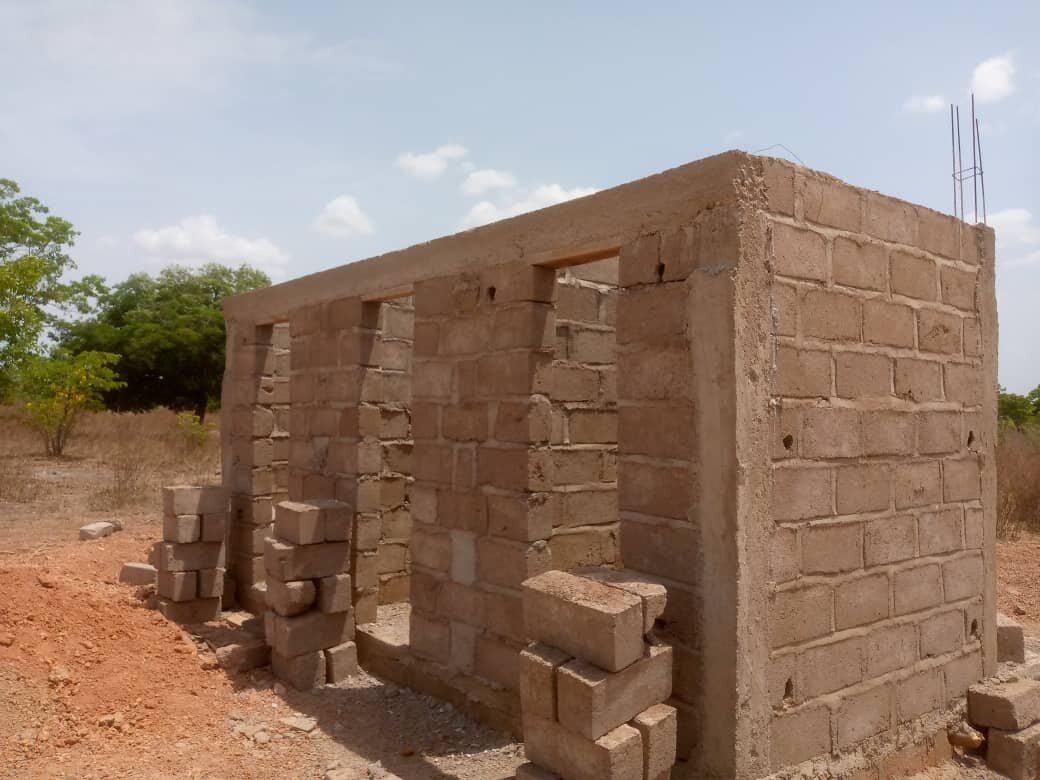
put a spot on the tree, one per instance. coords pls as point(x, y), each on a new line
point(169, 332)
point(1017, 410)
point(33, 259)
point(58, 389)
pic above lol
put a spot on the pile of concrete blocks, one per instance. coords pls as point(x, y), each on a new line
point(190, 558)
point(309, 622)
point(1009, 713)
point(592, 687)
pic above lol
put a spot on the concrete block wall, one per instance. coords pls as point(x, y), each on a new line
point(584, 424)
point(396, 325)
point(256, 448)
point(882, 398)
point(336, 390)
point(482, 466)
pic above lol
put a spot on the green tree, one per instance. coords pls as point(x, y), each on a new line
point(59, 388)
point(33, 259)
point(1034, 401)
point(169, 331)
point(1017, 410)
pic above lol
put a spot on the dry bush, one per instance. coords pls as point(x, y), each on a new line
point(1018, 483)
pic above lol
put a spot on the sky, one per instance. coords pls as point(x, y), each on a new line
point(301, 136)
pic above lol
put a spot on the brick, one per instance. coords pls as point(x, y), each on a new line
point(942, 633)
point(827, 549)
point(514, 282)
point(650, 590)
point(526, 421)
point(831, 315)
point(803, 373)
point(177, 585)
point(940, 532)
point(585, 546)
point(783, 555)
point(1009, 706)
point(938, 432)
point(972, 337)
point(974, 528)
point(963, 578)
point(860, 264)
point(341, 662)
point(963, 383)
point(182, 529)
point(863, 715)
point(496, 661)
point(888, 324)
point(655, 488)
point(785, 309)
point(889, 648)
point(591, 702)
point(525, 518)
point(799, 735)
point(214, 527)
point(889, 540)
point(863, 488)
point(888, 433)
point(334, 593)
point(298, 523)
point(958, 287)
point(918, 694)
point(800, 493)
point(664, 432)
point(510, 373)
point(653, 375)
point(913, 276)
point(430, 547)
point(800, 614)
point(960, 673)
point(861, 601)
point(799, 253)
point(1015, 755)
point(303, 671)
point(653, 316)
point(594, 427)
point(507, 563)
point(918, 484)
point(290, 598)
point(831, 433)
point(831, 667)
point(310, 631)
point(538, 665)
point(617, 755)
point(189, 612)
point(961, 479)
point(586, 619)
point(831, 202)
point(938, 332)
point(137, 574)
point(862, 375)
point(918, 380)
point(1010, 640)
point(171, 556)
point(593, 346)
point(657, 725)
point(286, 561)
point(917, 588)
point(463, 557)
point(189, 500)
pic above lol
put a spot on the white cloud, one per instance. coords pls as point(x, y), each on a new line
point(430, 165)
point(479, 182)
point(198, 240)
point(993, 79)
point(342, 217)
point(925, 104)
point(538, 198)
point(1018, 237)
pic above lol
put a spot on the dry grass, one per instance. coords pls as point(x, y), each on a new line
point(115, 462)
point(1018, 483)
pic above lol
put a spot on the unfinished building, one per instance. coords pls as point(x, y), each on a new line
point(768, 391)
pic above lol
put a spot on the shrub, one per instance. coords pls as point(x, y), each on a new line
point(1018, 481)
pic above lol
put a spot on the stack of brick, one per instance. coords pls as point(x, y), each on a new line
point(1010, 714)
point(309, 621)
point(190, 558)
point(592, 689)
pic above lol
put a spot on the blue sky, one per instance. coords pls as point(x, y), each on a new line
point(300, 136)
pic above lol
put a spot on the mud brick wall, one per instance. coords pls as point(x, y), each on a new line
point(584, 407)
point(257, 450)
point(482, 466)
point(335, 451)
point(397, 320)
point(883, 338)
